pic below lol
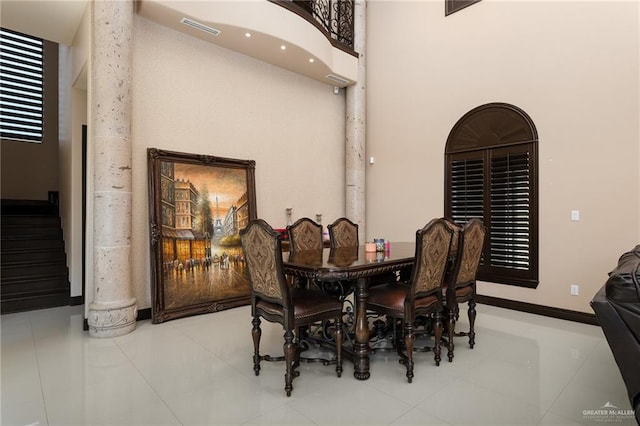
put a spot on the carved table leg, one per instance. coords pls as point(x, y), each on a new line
point(361, 344)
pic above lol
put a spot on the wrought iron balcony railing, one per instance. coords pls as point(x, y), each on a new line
point(333, 17)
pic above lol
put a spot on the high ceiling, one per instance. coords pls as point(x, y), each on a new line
point(54, 20)
point(312, 55)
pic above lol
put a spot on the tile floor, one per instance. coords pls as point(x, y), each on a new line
point(525, 369)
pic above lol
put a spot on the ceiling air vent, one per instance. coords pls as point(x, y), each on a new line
point(199, 26)
point(338, 79)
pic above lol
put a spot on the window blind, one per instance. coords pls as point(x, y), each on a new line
point(509, 235)
point(21, 86)
point(467, 189)
point(496, 185)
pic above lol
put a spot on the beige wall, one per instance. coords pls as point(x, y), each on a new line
point(195, 97)
point(73, 114)
point(18, 180)
point(572, 66)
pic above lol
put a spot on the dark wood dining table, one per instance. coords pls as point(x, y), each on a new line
point(352, 264)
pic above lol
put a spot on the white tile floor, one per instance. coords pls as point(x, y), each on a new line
point(525, 369)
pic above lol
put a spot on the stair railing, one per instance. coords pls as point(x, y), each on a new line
point(333, 17)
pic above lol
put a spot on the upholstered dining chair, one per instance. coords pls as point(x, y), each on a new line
point(343, 239)
point(273, 300)
point(343, 233)
point(460, 284)
point(305, 234)
point(422, 295)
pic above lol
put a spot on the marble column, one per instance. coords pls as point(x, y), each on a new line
point(356, 127)
point(113, 310)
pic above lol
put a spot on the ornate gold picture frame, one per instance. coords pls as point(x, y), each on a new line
point(197, 206)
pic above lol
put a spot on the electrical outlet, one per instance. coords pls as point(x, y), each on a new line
point(575, 290)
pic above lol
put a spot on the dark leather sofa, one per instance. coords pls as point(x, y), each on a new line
point(617, 306)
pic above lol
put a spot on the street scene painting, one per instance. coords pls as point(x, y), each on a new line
point(198, 205)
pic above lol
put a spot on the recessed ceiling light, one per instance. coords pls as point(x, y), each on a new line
point(312, 60)
point(247, 35)
point(283, 47)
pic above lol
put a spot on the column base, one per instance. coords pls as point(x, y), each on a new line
point(112, 319)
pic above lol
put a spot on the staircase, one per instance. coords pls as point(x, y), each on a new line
point(33, 266)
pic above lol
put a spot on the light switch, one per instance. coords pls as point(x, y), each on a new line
point(575, 215)
point(372, 160)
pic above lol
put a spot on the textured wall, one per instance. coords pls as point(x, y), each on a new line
point(195, 97)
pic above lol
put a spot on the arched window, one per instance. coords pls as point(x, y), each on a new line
point(491, 173)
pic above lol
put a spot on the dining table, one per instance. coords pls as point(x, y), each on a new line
point(357, 265)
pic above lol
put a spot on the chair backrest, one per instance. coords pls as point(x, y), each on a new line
point(432, 251)
point(470, 243)
point(343, 233)
point(453, 251)
point(263, 255)
point(305, 234)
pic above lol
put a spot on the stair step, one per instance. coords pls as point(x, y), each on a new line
point(31, 233)
point(12, 289)
point(28, 207)
point(32, 257)
point(31, 245)
point(31, 220)
point(40, 301)
point(13, 271)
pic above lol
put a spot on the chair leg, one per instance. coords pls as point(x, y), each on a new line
point(472, 321)
point(301, 344)
point(338, 338)
point(256, 333)
point(408, 343)
point(397, 333)
point(289, 359)
point(451, 332)
point(437, 337)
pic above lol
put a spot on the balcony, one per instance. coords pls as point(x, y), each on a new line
point(333, 17)
point(313, 38)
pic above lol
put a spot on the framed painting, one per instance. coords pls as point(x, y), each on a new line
point(452, 6)
point(197, 206)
